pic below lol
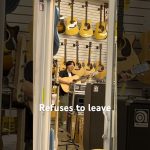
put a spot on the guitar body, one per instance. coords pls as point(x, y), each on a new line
point(126, 56)
point(86, 30)
point(145, 56)
point(101, 75)
point(100, 32)
point(78, 70)
point(88, 69)
point(61, 26)
point(71, 28)
point(102, 72)
point(65, 87)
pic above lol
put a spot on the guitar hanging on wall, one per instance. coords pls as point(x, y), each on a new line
point(86, 27)
point(88, 66)
point(99, 66)
point(71, 23)
point(61, 25)
point(78, 69)
point(125, 55)
point(144, 56)
point(100, 31)
point(63, 61)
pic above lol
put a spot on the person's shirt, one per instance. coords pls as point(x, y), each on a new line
point(64, 73)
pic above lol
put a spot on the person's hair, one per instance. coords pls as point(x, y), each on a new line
point(69, 63)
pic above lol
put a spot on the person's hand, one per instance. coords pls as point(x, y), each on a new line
point(124, 76)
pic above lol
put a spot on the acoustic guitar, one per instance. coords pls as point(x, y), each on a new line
point(99, 66)
point(78, 69)
point(10, 43)
point(144, 56)
point(126, 57)
point(86, 27)
point(88, 66)
point(71, 23)
point(62, 65)
point(100, 31)
point(74, 79)
point(61, 25)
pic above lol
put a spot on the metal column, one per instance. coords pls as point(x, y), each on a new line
point(109, 78)
point(42, 68)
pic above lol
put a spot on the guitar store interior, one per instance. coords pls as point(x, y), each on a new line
point(131, 93)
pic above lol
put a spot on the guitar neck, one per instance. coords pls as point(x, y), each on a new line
point(86, 11)
point(100, 54)
point(100, 15)
point(77, 54)
point(59, 6)
point(89, 57)
point(72, 11)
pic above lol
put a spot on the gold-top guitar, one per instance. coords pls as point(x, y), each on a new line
point(86, 27)
point(78, 69)
point(100, 31)
point(71, 23)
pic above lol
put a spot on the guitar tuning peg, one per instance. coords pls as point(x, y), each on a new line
point(74, 45)
point(69, 4)
point(87, 46)
point(98, 9)
point(97, 47)
point(82, 6)
point(61, 43)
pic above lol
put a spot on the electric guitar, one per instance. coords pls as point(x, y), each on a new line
point(100, 31)
point(88, 66)
point(61, 25)
point(62, 65)
point(86, 27)
point(144, 56)
point(78, 69)
point(71, 23)
point(99, 66)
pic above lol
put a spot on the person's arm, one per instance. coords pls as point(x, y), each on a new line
point(61, 80)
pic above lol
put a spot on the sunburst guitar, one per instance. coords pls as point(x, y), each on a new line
point(71, 23)
point(78, 69)
point(99, 66)
point(61, 25)
point(144, 56)
point(62, 64)
point(88, 66)
point(100, 31)
point(86, 27)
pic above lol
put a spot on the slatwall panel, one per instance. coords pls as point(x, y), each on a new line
point(135, 23)
point(136, 16)
point(22, 16)
point(79, 13)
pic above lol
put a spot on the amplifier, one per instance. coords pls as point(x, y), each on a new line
point(93, 121)
point(77, 88)
point(133, 124)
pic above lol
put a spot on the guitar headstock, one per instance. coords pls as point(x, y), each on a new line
point(86, 4)
point(71, 4)
point(65, 41)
